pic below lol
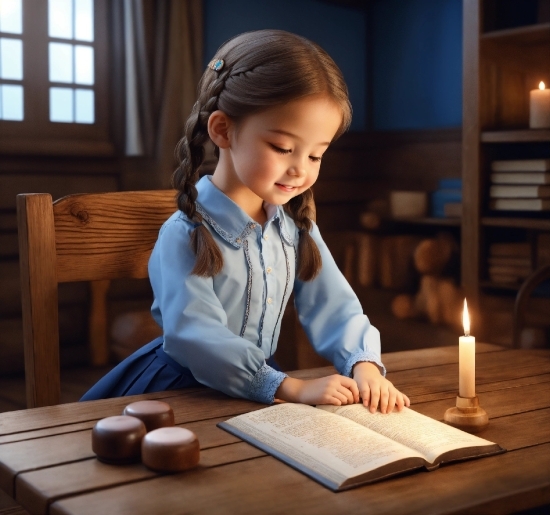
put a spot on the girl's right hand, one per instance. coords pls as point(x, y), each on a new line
point(335, 389)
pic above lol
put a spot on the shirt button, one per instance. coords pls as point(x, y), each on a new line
point(253, 226)
point(268, 269)
point(270, 300)
point(266, 237)
point(238, 240)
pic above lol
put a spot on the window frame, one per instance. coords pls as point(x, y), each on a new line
point(35, 134)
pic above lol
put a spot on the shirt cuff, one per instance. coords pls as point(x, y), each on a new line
point(363, 356)
point(264, 384)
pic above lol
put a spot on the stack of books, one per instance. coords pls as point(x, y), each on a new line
point(509, 263)
point(520, 185)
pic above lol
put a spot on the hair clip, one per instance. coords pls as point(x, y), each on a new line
point(216, 64)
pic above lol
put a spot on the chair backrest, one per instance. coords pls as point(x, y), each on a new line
point(84, 237)
point(539, 276)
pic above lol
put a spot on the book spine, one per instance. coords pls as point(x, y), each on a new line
point(519, 191)
point(520, 178)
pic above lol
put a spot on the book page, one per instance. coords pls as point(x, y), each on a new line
point(429, 437)
point(331, 447)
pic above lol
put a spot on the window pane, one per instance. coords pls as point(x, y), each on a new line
point(84, 106)
point(61, 62)
point(61, 105)
point(84, 20)
point(11, 16)
point(11, 59)
point(84, 64)
point(60, 19)
point(11, 102)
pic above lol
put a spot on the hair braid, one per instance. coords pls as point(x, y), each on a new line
point(309, 257)
point(190, 152)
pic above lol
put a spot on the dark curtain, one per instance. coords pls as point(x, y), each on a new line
point(157, 65)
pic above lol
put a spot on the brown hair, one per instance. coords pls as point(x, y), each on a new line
point(261, 69)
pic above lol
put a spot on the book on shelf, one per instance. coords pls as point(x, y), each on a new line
point(344, 446)
point(520, 204)
point(504, 279)
point(521, 272)
point(510, 249)
point(520, 191)
point(521, 165)
point(509, 261)
point(521, 178)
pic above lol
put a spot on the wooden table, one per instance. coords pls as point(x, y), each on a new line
point(46, 461)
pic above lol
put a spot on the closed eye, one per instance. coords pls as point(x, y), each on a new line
point(280, 150)
point(316, 159)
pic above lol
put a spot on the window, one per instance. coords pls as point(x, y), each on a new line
point(11, 60)
point(71, 60)
point(54, 95)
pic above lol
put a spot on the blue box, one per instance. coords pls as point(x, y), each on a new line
point(442, 197)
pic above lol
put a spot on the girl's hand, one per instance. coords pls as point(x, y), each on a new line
point(375, 388)
point(335, 389)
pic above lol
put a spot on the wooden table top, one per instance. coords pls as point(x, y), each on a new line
point(47, 464)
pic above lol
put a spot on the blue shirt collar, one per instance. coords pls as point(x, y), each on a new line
point(228, 219)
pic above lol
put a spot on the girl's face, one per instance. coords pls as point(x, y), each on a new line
point(275, 155)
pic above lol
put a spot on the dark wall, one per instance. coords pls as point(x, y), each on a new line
point(416, 49)
point(339, 30)
point(417, 64)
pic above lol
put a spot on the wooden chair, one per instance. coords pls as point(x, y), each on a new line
point(87, 237)
point(540, 275)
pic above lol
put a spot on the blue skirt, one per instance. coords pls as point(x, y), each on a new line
point(147, 370)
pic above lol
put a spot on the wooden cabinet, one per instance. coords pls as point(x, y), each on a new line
point(506, 54)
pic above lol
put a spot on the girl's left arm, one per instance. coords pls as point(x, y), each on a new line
point(333, 319)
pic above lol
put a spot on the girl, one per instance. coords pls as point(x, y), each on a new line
point(226, 263)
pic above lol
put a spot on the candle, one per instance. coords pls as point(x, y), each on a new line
point(466, 359)
point(539, 108)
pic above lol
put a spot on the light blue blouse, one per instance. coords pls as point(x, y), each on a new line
point(223, 328)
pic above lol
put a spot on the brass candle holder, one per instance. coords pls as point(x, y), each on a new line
point(468, 415)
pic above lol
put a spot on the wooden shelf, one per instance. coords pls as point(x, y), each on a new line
point(516, 136)
point(448, 222)
point(520, 223)
point(527, 35)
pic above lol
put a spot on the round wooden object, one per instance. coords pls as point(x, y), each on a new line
point(170, 449)
point(118, 439)
point(467, 415)
point(153, 414)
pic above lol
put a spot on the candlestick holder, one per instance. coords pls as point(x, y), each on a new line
point(468, 415)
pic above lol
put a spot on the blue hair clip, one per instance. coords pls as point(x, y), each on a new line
point(216, 64)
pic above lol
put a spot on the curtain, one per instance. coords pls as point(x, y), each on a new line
point(157, 65)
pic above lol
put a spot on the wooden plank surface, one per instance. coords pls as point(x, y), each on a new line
point(50, 463)
point(14, 422)
point(281, 489)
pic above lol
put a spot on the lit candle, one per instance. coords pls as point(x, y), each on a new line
point(539, 108)
point(466, 359)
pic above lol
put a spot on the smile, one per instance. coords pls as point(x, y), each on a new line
point(288, 189)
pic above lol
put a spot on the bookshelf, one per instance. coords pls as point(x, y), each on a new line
point(506, 53)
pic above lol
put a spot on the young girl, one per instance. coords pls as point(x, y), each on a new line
point(226, 263)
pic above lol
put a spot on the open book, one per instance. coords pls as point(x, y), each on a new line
point(342, 447)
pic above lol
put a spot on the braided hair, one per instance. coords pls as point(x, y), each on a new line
point(261, 69)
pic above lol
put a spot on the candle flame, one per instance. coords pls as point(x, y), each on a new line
point(541, 85)
point(466, 319)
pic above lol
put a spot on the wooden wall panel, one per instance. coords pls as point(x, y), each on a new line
point(57, 185)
